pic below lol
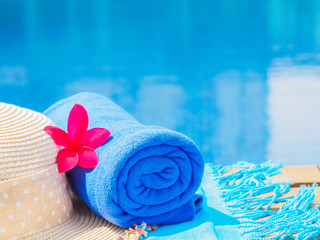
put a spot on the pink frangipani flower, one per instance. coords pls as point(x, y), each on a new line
point(79, 143)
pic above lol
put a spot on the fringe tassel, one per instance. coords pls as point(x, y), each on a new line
point(296, 218)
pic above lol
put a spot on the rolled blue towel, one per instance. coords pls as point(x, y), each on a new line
point(145, 173)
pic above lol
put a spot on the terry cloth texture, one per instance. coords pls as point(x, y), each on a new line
point(213, 222)
point(145, 173)
point(238, 205)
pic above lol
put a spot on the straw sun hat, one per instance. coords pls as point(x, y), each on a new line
point(34, 199)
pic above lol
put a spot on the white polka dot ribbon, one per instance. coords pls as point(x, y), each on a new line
point(33, 203)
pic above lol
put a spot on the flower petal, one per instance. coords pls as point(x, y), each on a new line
point(95, 137)
point(59, 136)
point(88, 158)
point(77, 124)
point(66, 160)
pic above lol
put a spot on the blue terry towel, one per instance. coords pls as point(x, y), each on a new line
point(145, 173)
point(213, 222)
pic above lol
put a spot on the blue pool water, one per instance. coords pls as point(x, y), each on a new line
point(241, 78)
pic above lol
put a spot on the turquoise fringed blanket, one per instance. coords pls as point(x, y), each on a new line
point(234, 209)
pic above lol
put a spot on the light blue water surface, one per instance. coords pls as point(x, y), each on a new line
point(241, 78)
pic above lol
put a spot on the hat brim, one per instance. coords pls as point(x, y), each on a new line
point(84, 224)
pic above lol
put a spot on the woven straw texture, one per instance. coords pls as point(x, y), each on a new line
point(85, 225)
point(24, 146)
point(26, 150)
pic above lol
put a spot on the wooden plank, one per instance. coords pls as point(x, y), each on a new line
point(293, 191)
point(299, 175)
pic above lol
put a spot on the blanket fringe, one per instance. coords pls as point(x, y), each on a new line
point(297, 218)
